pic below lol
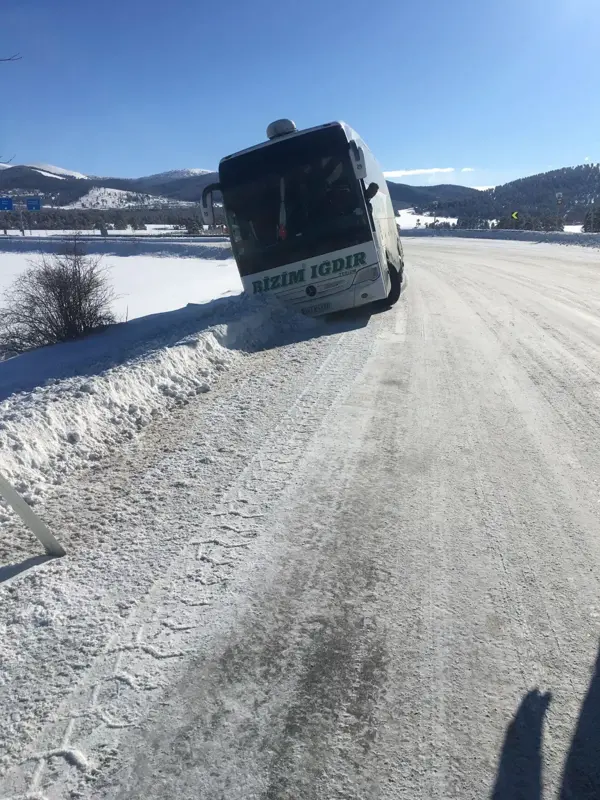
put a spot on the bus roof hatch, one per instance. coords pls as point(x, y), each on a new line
point(281, 127)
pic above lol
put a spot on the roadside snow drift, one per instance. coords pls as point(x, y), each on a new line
point(65, 406)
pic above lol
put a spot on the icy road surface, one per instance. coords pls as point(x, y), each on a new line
point(356, 560)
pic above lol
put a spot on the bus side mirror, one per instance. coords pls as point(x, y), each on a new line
point(208, 211)
point(371, 190)
point(358, 161)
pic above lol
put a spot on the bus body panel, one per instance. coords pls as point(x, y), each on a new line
point(383, 209)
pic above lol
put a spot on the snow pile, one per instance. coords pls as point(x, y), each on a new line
point(102, 197)
point(408, 219)
point(101, 392)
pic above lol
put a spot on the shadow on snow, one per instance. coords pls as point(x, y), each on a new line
point(519, 769)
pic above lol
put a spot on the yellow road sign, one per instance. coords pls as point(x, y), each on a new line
point(515, 215)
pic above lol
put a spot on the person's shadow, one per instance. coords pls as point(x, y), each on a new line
point(581, 774)
point(519, 774)
point(520, 767)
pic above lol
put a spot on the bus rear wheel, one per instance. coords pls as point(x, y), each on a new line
point(395, 287)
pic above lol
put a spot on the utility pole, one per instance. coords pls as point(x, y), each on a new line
point(592, 217)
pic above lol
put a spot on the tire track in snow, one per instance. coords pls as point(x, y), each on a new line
point(141, 659)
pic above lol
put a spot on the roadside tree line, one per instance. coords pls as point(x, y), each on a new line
point(103, 220)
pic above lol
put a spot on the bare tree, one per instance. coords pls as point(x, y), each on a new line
point(61, 297)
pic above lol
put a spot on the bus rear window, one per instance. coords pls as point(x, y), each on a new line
point(299, 197)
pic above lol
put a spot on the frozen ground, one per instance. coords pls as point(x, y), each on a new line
point(364, 564)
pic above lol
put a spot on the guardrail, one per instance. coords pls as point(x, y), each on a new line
point(560, 237)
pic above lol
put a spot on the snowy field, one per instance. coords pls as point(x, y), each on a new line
point(150, 284)
point(408, 219)
point(151, 230)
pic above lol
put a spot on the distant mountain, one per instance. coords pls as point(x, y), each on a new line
point(174, 174)
point(48, 170)
point(536, 194)
point(60, 188)
point(177, 184)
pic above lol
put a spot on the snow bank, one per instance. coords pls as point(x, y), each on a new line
point(555, 237)
point(68, 405)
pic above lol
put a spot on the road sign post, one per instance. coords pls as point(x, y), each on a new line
point(559, 199)
point(33, 204)
point(30, 518)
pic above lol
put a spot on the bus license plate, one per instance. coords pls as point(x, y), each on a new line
point(316, 309)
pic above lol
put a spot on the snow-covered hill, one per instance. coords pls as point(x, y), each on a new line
point(102, 197)
point(56, 172)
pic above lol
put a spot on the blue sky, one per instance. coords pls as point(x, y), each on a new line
point(127, 88)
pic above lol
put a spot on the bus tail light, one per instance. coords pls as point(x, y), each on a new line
point(366, 274)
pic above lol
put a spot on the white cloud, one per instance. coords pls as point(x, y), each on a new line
point(467, 169)
point(587, 158)
point(482, 188)
point(400, 173)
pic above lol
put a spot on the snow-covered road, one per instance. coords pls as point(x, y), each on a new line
point(342, 571)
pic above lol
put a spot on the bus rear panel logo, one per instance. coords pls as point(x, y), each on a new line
point(285, 279)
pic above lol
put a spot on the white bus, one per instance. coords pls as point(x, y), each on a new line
point(310, 219)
